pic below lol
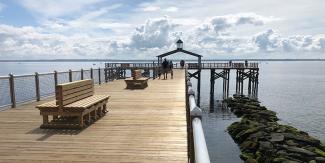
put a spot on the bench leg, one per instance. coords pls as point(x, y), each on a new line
point(81, 121)
point(55, 117)
point(89, 118)
point(45, 119)
point(105, 110)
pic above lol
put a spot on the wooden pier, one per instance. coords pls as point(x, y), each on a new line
point(142, 126)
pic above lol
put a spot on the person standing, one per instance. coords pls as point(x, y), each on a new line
point(171, 69)
point(182, 63)
point(165, 68)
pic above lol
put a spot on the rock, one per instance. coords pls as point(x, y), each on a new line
point(312, 161)
point(320, 152)
point(250, 160)
point(277, 137)
point(265, 145)
point(248, 145)
point(290, 161)
point(260, 135)
point(291, 143)
point(320, 159)
point(307, 139)
point(301, 151)
point(245, 156)
point(279, 160)
point(241, 136)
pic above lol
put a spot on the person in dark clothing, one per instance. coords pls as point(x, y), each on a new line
point(165, 68)
point(171, 69)
point(182, 63)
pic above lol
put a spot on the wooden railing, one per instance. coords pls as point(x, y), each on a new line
point(207, 65)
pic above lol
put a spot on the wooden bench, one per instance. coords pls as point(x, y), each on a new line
point(136, 81)
point(75, 105)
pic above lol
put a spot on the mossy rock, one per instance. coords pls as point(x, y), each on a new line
point(320, 152)
point(245, 156)
point(250, 160)
point(248, 145)
point(241, 136)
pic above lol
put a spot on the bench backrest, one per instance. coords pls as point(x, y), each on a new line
point(68, 93)
point(136, 74)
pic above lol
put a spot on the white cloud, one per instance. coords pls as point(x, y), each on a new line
point(29, 42)
point(155, 33)
point(150, 8)
point(171, 9)
point(54, 8)
point(270, 41)
point(215, 36)
point(222, 23)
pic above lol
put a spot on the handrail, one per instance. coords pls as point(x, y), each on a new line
point(200, 147)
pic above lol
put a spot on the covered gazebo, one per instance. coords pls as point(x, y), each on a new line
point(196, 74)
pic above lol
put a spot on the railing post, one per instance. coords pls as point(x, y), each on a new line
point(38, 96)
point(99, 80)
point(55, 78)
point(12, 90)
point(70, 76)
point(82, 74)
point(91, 73)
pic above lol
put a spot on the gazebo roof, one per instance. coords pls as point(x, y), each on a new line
point(178, 50)
point(179, 41)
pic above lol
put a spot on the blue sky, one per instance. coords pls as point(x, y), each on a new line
point(124, 29)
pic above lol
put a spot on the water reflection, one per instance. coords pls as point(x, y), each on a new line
point(216, 119)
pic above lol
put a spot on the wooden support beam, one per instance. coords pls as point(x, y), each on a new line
point(37, 87)
point(212, 82)
point(12, 90)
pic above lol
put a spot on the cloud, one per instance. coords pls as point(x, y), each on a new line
point(171, 9)
point(55, 8)
point(271, 41)
point(149, 39)
point(150, 8)
point(29, 42)
point(222, 23)
point(155, 33)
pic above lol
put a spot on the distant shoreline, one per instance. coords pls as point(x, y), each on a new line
point(139, 60)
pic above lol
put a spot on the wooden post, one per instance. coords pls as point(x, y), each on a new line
point(99, 80)
point(212, 81)
point(82, 74)
point(249, 89)
point(70, 76)
point(199, 82)
point(37, 88)
point(55, 78)
point(228, 80)
point(236, 81)
point(91, 73)
point(12, 90)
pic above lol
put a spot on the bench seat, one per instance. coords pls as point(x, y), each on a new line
point(139, 83)
point(75, 105)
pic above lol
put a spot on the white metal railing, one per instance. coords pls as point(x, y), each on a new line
point(200, 148)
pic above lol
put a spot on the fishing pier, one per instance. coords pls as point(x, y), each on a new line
point(161, 123)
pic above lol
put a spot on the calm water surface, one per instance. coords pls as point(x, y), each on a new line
point(295, 90)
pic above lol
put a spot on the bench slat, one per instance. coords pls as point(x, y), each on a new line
point(87, 102)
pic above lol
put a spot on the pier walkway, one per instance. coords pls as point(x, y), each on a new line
point(142, 126)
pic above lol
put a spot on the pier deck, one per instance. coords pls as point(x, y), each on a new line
point(142, 126)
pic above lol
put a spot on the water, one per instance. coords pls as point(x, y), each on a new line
point(295, 90)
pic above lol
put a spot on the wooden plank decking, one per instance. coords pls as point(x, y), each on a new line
point(142, 126)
